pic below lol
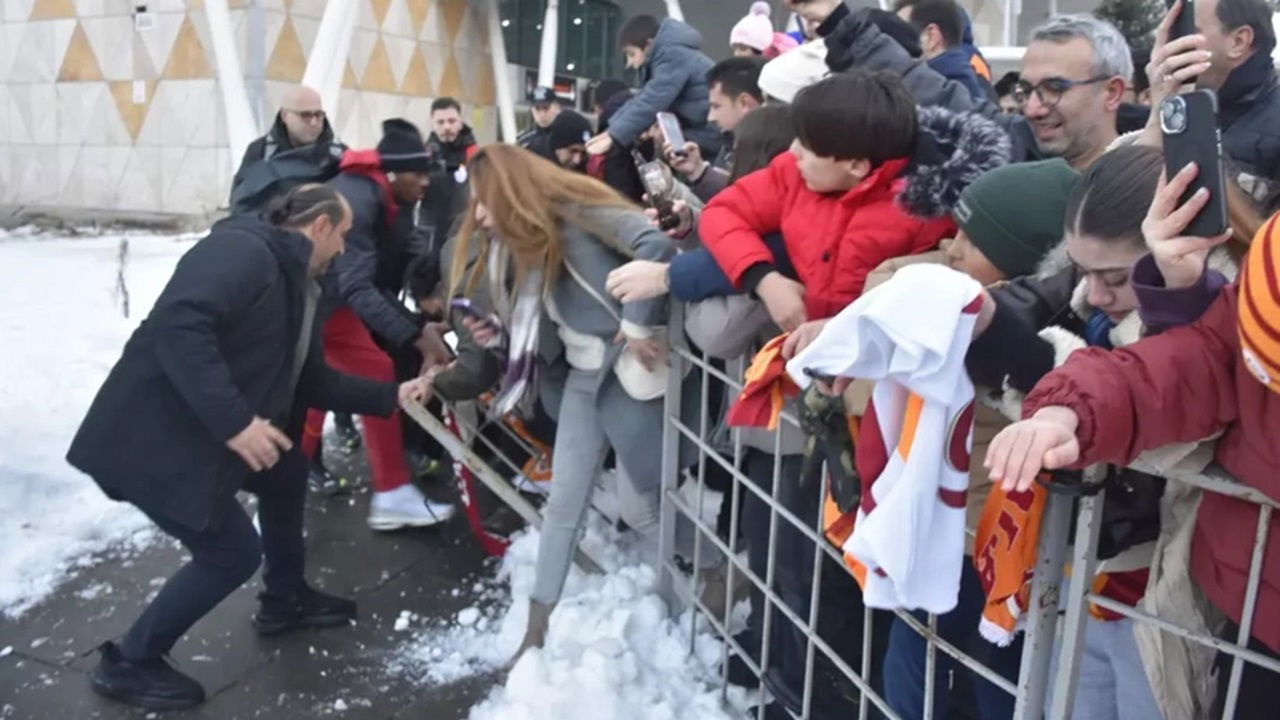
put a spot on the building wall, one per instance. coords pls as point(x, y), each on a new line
point(95, 114)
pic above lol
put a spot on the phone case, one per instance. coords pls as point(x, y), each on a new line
point(1195, 138)
point(1185, 23)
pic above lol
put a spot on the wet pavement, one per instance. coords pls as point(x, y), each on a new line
point(342, 673)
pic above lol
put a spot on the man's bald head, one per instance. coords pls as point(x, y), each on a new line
point(303, 115)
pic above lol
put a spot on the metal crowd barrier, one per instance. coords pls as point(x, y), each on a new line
point(1053, 632)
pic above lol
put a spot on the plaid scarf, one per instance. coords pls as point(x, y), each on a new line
point(519, 372)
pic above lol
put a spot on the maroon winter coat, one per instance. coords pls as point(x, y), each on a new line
point(1182, 386)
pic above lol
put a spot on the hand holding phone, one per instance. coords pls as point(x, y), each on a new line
point(669, 124)
point(1189, 126)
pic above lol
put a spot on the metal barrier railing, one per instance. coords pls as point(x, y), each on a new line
point(1044, 641)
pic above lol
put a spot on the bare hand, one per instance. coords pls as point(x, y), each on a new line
point(638, 280)
point(1181, 258)
point(260, 445)
point(483, 333)
point(1024, 449)
point(801, 338)
point(435, 351)
point(784, 299)
point(600, 144)
point(416, 390)
point(682, 210)
point(1174, 62)
point(650, 351)
point(689, 163)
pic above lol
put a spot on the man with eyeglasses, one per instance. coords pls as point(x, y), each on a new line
point(1073, 80)
point(299, 148)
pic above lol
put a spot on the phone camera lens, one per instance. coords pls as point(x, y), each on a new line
point(1173, 115)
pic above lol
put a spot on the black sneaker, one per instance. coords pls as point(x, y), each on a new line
point(348, 435)
point(309, 608)
point(150, 684)
point(323, 482)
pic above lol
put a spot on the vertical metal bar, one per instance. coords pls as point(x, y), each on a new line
point(812, 630)
point(868, 627)
point(703, 410)
point(674, 11)
point(1084, 562)
point(670, 462)
point(772, 558)
point(550, 38)
point(501, 78)
point(930, 667)
point(1250, 605)
point(1042, 612)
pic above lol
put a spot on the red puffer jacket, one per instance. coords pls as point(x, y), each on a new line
point(834, 241)
point(1182, 386)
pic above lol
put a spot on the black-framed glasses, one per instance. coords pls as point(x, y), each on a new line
point(309, 115)
point(1049, 90)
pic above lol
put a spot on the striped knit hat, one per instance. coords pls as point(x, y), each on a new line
point(1260, 306)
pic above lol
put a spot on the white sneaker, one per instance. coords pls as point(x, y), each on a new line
point(406, 506)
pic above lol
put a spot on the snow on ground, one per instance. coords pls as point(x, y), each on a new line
point(612, 653)
point(61, 330)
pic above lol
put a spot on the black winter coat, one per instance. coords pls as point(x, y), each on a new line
point(216, 351)
point(272, 166)
point(372, 272)
point(1249, 112)
point(447, 194)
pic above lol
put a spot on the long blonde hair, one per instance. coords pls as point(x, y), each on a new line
point(527, 198)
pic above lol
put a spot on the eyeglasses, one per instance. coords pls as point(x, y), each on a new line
point(1050, 90)
point(309, 115)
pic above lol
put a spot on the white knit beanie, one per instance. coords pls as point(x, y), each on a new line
point(755, 30)
point(791, 72)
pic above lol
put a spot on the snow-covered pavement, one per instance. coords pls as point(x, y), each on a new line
point(62, 327)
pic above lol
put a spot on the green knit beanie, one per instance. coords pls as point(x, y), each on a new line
point(1014, 214)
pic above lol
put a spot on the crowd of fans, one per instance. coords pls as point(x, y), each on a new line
point(808, 169)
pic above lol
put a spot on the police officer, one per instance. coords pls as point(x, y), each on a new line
point(545, 108)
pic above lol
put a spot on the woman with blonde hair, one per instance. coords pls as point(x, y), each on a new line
point(550, 239)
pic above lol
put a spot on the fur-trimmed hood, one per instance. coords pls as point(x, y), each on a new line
point(952, 150)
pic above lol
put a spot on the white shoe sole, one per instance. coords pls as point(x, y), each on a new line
point(387, 522)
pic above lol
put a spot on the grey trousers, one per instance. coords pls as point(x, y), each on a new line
point(591, 420)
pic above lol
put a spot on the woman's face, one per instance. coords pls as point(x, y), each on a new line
point(1106, 267)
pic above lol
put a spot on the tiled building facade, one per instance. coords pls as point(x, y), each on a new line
point(99, 110)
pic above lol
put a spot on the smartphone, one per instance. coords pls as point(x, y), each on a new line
point(669, 124)
point(819, 376)
point(464, 306)
point(659, 186)
point(1185, 23)
point(1189, 124)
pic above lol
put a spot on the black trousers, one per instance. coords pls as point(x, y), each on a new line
point(1259, 687)
point(225, 555)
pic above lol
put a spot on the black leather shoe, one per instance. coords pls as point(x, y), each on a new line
point(308, 608)
point(150, 684)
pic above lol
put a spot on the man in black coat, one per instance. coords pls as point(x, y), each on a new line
point(1238, 38)
point(544, 106)
point(450, 144)
point(371, 324)
point(299, 148)
point(207, 400)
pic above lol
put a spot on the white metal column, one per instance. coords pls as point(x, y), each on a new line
point(1012, 11)
point(240, 124)
point(328, 59)
point(550, 39)
point(501, 77)
point(674, 11)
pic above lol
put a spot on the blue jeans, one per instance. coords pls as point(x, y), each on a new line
point(904, 664)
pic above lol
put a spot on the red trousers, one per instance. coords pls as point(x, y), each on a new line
point(348, 347)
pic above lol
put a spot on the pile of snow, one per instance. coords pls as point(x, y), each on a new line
point(612, 653)
point(62, 328)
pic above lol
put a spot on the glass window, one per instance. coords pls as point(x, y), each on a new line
point(587, 45)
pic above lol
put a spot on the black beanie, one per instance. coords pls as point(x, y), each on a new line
point(401, 147)
point(569, 128)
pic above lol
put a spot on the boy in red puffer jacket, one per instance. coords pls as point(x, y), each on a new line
point(836, 197)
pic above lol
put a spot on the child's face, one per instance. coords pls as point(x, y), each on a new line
point(825, 174)
point(964, 256)
point(634, 56)
point(740, 50)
